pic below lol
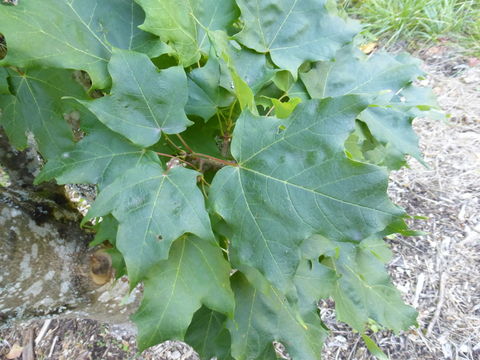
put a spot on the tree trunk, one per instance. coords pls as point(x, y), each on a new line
point(46, 267)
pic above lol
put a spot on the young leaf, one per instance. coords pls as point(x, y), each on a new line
point(294, 180)
point(293, 31)
point(143, 102)
point(73, 34)
point(263, 316)
point(153, 208)
point(182, 23)
point(99, 158)
point(195, 274)
point(284, 109)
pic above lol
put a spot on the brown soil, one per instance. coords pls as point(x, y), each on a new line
point(438, 273)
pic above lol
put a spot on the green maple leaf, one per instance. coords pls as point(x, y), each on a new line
point(195, 274)
point(354, 276)
point(205, 96)
point(284, 109)
point(208, 335)
point(383, 75)
point(144, 102)
point(293, 32)
point(37, 107)
point(364, 291)
point(294, 180)
point(354, 73)
point(253, 68)
point(153, 208)
point(106, 230)
point(263, 315)
point(418, 102)
point(313, 281)
point(385, 124)
point(99, 158)
point(73, 34)
point(184, 24)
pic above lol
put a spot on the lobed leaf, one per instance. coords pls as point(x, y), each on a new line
point(144, 103)
point(184, 23)
point(208, 335)
point(205, 96)
point(354, 73)
point(99, 158)
point(294, 180)
point(195, 274)
point(382, 75)
point(37, 107)
point(73, 34)
point(293, 32)
point(153, 208)
point(263, 316)
point(363, 289)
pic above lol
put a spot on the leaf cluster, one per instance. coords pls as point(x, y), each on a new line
point(240, 150)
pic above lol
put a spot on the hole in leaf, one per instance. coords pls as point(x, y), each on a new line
point(310, 264)
point(159, 237)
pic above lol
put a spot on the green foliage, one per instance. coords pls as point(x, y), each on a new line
point(241, 153)
point(420, 20)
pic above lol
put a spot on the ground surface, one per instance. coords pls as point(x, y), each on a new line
point(438, 273)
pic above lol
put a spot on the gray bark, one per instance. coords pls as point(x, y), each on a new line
point(46, 266)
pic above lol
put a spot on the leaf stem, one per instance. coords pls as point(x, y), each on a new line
point(230, 122)
point(184, 143)
point(199, 155)
point(179, 158)
point(171, 143)
point(220, 124)
point(214, 159)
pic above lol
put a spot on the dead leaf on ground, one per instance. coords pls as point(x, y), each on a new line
point(369, 48)
point(15, 352)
